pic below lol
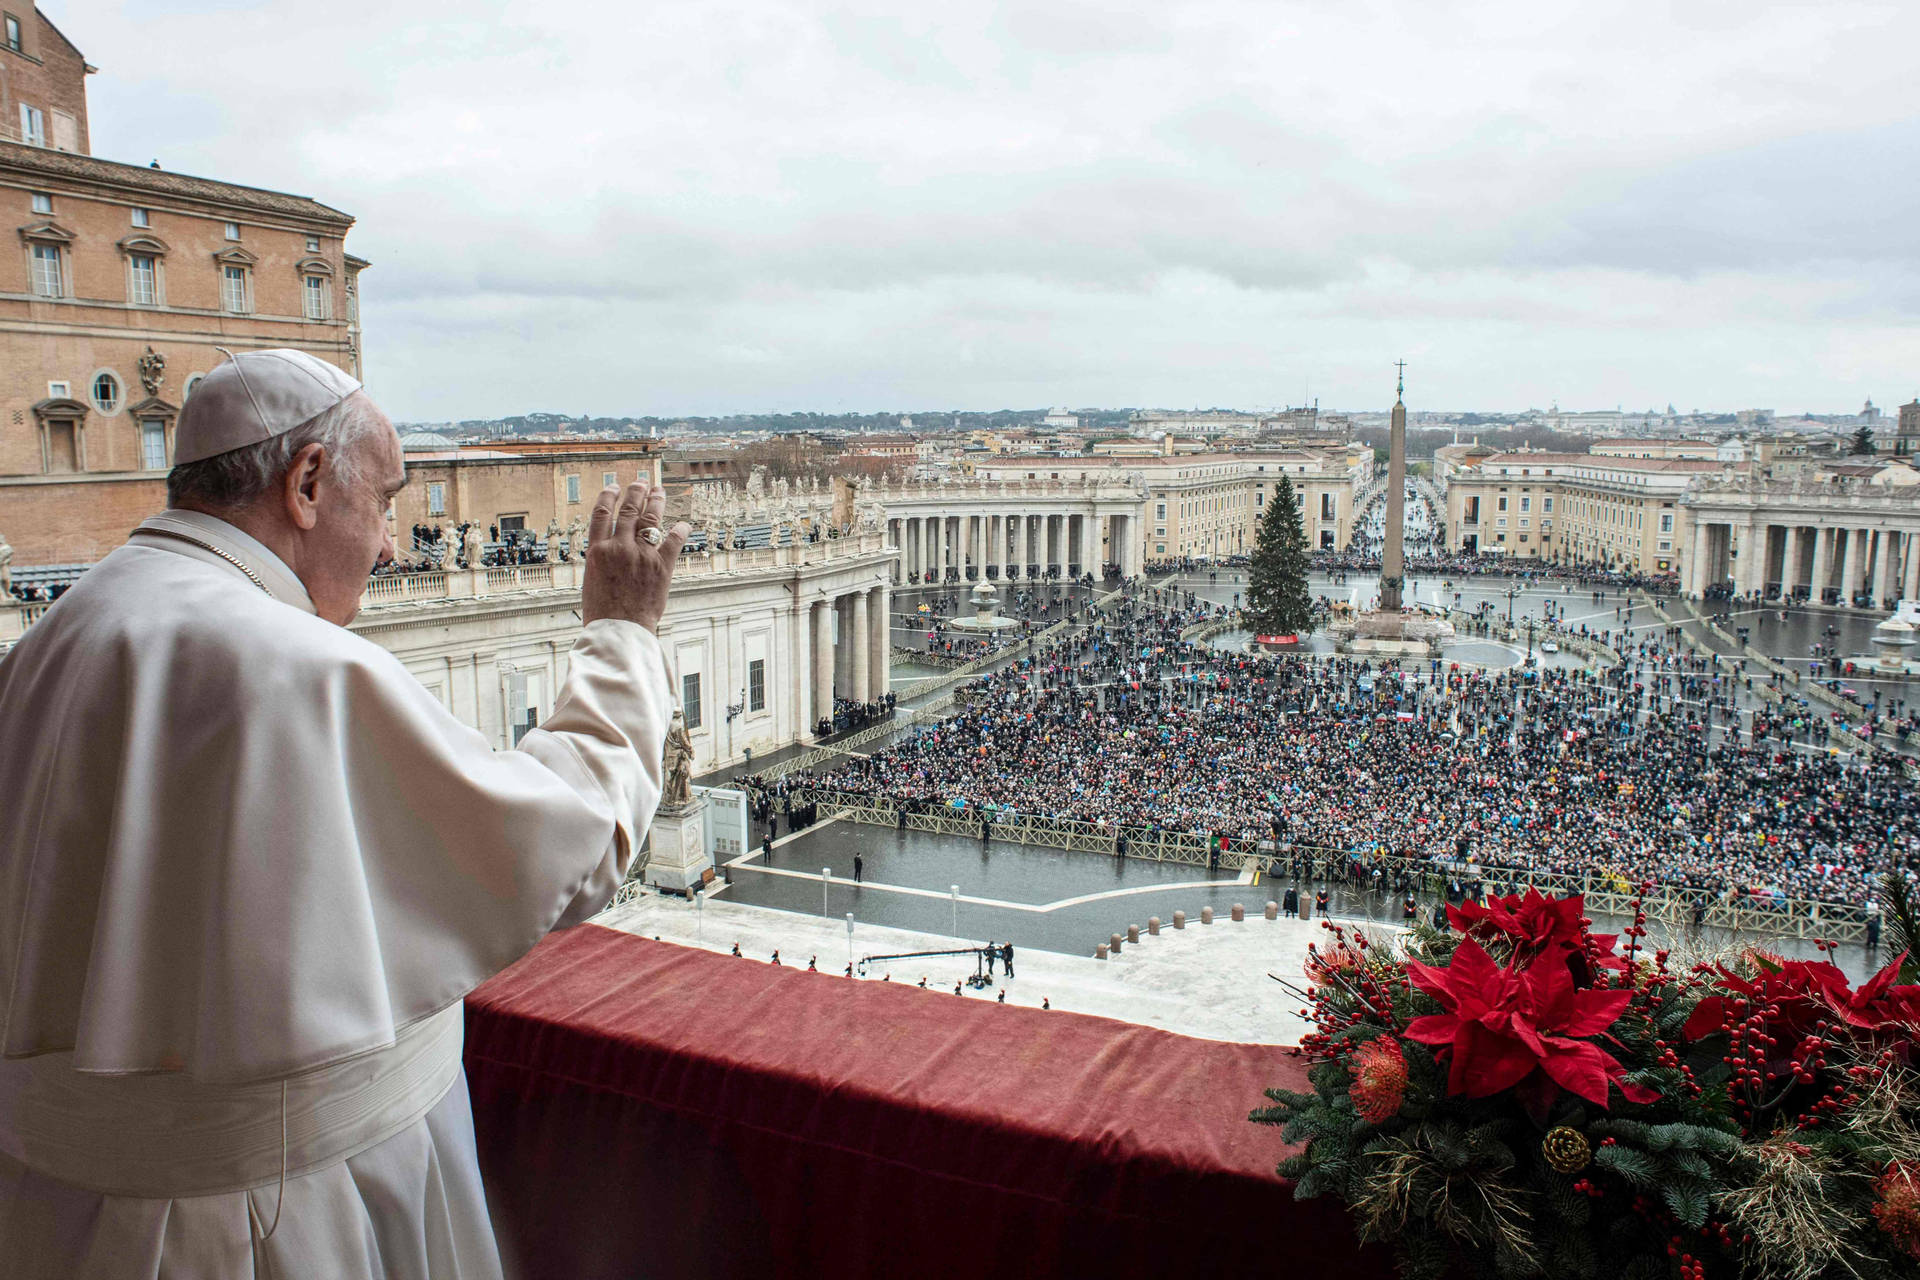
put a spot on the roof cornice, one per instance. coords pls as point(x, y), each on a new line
point(37, 164)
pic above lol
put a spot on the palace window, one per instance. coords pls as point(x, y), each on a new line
point(233, 231)
point(153, 444)
point(33, 126)
point(13, 33)
point(313, 244)
point(142, 218)
point(757, 685)
point(315, 294)
point(46, 271)
point(436, 498)
point(142, 281)
point(42, 202)
point(106, 393)
point(609, 479)
point(573, 488)
point(690, 698)
point(233, 289)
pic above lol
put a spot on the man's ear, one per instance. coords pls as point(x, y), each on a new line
point(302, 486)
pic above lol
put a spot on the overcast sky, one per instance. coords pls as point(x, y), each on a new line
point(714, 207)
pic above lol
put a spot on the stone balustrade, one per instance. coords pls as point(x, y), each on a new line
point(389, 590)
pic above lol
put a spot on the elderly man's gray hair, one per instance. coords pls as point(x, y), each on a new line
point(235, 479)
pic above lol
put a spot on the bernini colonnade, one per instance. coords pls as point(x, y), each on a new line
point(1850, 542)
point(978, 530)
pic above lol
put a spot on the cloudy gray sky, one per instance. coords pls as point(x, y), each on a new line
point(729, 205)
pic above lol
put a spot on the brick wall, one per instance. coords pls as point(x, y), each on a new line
point(486, 489)
point(48, 73)
point(79, 521)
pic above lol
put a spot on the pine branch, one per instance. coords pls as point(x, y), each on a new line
point(1902, 921)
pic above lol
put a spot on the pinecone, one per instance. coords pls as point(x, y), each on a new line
point(1566, 1149)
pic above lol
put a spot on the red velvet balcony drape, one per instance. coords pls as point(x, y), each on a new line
point(651, 1110)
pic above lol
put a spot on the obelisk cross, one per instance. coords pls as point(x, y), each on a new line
point(1392, 558)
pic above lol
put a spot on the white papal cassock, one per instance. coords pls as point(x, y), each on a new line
point(248, 869)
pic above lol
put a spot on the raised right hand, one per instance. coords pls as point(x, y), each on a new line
point(627, 576)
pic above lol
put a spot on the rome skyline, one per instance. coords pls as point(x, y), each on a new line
point(754, 210)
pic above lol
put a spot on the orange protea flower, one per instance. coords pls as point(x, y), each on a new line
point(1896, 1204)
point(1379, 1080)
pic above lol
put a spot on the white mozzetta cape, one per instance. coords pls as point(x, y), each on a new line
point(239, 842)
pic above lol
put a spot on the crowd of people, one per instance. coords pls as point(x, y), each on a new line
point(851, 714)
point(1665, 769)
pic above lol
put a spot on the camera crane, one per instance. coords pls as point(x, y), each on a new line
point(979, 954)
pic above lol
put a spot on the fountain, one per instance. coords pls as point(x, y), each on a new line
point(985, 597)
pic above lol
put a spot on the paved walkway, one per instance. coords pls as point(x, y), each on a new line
point(1209, 981)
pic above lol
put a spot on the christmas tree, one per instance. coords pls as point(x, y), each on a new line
point(1277, 600)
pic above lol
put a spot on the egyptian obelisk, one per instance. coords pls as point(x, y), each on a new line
point(1392, 560)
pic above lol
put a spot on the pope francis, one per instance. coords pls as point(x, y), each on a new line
point(249, 867)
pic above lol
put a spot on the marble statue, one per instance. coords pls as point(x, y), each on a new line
point(6, 571)
point(471, 546)
point(677, 767)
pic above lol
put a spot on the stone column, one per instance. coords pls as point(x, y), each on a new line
point(862, 628)
point(1849, 564)
point(822, 662)
point(1698, 571)
point(1056, 541)
point(1912, 591)
point(1821, 575)
point(1790, 562)
point(1890, 548)
point(997, 546)
point(881, 645)
point(800, 670)
point(843, 638)
point(1016, 563)
point(939, 565)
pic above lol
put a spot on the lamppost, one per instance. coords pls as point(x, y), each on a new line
point(1511, 593)
point(1529, 641)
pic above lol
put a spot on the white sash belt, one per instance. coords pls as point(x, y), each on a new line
point(167, 1136)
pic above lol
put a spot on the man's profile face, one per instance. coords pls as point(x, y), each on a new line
point(351, 536)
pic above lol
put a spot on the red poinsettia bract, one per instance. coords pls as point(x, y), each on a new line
point(1502, 1024)
point(1799, 994)
point(1540, 923)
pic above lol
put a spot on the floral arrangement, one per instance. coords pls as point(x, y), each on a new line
point(1520, 1096)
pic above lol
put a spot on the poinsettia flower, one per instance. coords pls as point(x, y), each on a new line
point(1538, 923)
point(1502, 1024)
point(1801, 993)
point(1879, 1003)
point(1534, 920)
